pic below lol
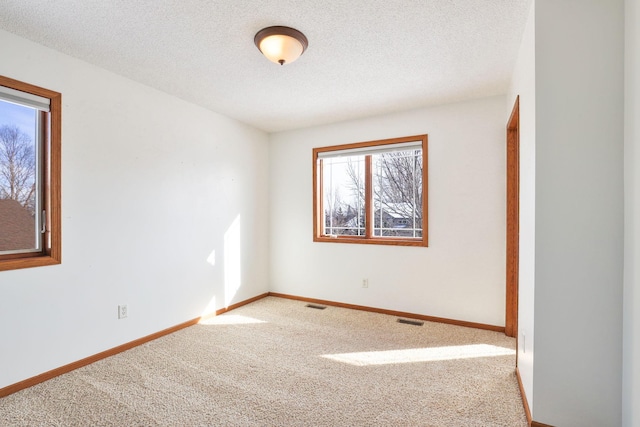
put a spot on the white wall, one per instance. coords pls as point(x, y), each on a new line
point(523, 84)
point(151, 186)
point(461, 275)
point(631, 349)
point(579, 212)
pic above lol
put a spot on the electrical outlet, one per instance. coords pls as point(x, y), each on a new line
point(365, 283)
point(122, 311)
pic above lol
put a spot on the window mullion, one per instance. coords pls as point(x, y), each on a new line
point(368, 196)
point(414, 192)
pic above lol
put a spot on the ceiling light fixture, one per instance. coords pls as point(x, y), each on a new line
point(281, 45)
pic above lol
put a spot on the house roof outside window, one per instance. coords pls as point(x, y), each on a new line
point(16, 226)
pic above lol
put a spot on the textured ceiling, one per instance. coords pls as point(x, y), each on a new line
point(365, 57)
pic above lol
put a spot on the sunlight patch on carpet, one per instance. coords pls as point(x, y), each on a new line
point(230, 319)
point(413, 355)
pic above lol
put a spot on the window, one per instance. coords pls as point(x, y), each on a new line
point(371, 192)
point(30, 132)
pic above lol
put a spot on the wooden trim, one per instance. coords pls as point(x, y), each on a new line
point(318, 216)
point(51, 253)
point(91, 359)
point(241, 303)
point(513, 215)
point(368, 195)
point(392, 312)
point(363, 240)
point(27, 261)
point(26, 87)
point(55, 180)
point(29, 382)
point(525, 402)
point(373, 241)
point(370, 143)
point(425, 191)
point(318, 191)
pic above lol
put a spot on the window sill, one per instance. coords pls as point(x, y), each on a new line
point(391, 241)
point(28, 262)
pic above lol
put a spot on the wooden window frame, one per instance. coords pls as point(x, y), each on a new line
point(51, 252)
point(368, 238)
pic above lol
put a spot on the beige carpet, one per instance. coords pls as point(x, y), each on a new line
point(276, 362)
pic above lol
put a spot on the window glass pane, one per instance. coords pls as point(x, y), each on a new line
point(397, 194)
point(19, 198)
point(343, 185)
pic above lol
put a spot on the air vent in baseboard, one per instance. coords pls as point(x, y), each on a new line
point(317, 307)
point(411, 322)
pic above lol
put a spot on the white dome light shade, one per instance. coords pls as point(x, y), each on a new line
point(281, 45)
point(281, 49)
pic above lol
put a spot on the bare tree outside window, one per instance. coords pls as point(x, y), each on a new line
point(17, 167)
point(18, 174)
point(344, 196)
point(397, 180)
point(397, 187)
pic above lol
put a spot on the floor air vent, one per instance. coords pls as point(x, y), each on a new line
point(317, 307)
point(411, 322)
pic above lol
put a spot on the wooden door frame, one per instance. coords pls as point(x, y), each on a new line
point(513, 220)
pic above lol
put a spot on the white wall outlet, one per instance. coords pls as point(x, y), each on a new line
point(365, 283)
point(122, 311)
